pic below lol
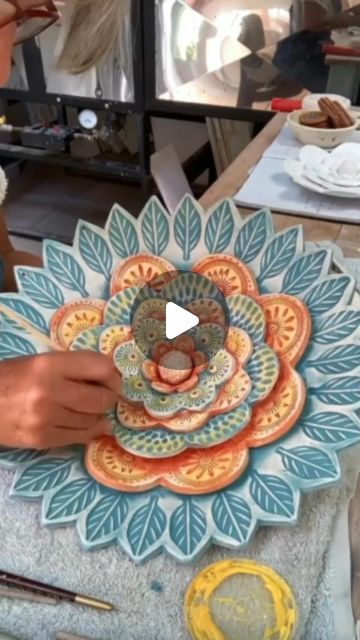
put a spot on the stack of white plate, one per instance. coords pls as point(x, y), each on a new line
point(335, 173)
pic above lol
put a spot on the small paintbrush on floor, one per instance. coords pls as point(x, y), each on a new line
point(39, 588)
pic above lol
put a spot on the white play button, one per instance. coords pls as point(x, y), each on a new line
point(178, 320)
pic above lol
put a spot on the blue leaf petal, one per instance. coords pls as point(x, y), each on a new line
point(120, 307)
point(44, 475)
point(308, 463)
point(25, 310)
point(342, 359)
point(279, 254)
point(122, 234)
point(304, 272)
point(246, 314)
point(187, 227)
point(220, 228)
point(326, 295)
point(232, 516)
point(339, 391)
point(336, 327)
point(252, 237)
point(40, 288)
point(65, 268)
point(106, 517)
point(263, 371)
point(18, 456)
point(272, 494)
point(72, 499)
point(87, 340)
point(94, 251)
point(13, 346)
point(330, 427)
point(155, 228)
point(146, 527)
point(188, 526)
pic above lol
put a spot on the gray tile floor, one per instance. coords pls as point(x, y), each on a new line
point(47, 202)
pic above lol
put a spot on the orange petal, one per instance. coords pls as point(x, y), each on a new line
point(276, 415)
point(150, 370)
point(207, 310)
point(200, 362)
point(113, 337)
point(288, 325)
point(134, 416)
point(193, 472)
point(74, 318)
point(160, 349)
point(137, 270)
point(186, 421)
point(113, 467)
point(233, 394)
point(188, 384)
point(239, 345)
point(201, 471)
point(186, 344)
point(229, 274)
point(162, 387)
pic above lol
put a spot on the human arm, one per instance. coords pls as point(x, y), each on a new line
point(8, 9)
point(12, 257)
point(56, 399)
point(314, 16)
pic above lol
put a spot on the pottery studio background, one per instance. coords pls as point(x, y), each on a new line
point(143, 144)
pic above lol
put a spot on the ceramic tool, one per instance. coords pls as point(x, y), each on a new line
point(11, 580)
point(240, 600)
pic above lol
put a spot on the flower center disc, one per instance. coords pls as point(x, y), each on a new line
point(175, 367)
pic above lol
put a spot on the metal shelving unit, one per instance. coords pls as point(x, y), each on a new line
point(36, 93)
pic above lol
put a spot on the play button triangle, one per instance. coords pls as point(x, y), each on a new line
point(178, 320)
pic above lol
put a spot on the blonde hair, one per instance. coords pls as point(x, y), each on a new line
point(94, 31)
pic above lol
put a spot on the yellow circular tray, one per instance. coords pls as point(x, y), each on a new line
point(264, 608)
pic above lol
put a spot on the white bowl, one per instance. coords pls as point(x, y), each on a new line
point(324, 138)
point(311, 102)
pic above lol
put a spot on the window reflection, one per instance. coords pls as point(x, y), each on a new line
point(110, 76)
point(245, 52)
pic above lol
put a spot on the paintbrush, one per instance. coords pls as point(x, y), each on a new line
point(25, 596)
point(19, 582)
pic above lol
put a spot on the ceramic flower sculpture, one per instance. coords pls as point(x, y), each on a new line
point(218, 429)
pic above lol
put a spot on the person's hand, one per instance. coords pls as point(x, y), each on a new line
point(7, 33)
point(56, 399)
point(341, 21)
point(8, 8)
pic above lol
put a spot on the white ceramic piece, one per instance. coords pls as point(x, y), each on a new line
point(335, 173)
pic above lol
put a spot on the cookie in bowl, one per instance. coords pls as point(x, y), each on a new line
point(316, 119)
point(328, 127)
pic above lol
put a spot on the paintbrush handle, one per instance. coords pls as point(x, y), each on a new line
point(19, 582)
point(26, 596)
